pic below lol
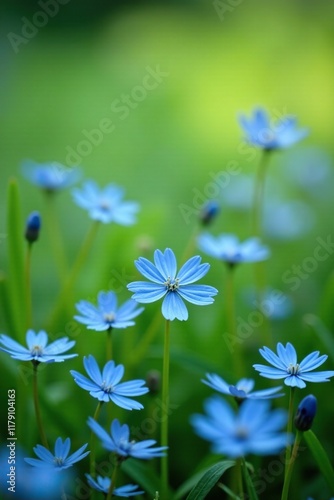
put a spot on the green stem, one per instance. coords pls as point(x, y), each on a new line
point(28, 286)
point(37, 408)
point(64, 296)
point(93, 441)
point(289, 469)
point(56, 241)
point(230, 315)
point(258, 194)
point(239, 485)
point(112, 482)
point(289, 428)
point(165, 404)
point(109, 344)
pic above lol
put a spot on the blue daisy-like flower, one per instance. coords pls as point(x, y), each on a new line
point(102, 484)
point(118, 441)
point(60, 459)
point(261, 133)
point(285, 365)
point(254, 428)
point(226, 247)
point(38, 350)
point(243, 389)
point(105, 386)
point(172, 285)
point(107, 315)
point(50, 176)
point(106, 204)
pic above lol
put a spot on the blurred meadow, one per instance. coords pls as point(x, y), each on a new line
point(147, 95)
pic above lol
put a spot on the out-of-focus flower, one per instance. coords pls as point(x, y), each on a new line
point(105, 386)
point(305, 413)
point(103, 484)
point(243, 389)
point(226, 247)
point(209, 212)
point(287, 220)
point(33, 226)
point(60, 459)
point(50, 176)
point(38, 350)
point(310, 168)
point(106, 204)
point(107, 314)
point(285, 365)
point(118, 441)
point(172, 285)
point(274, 304)
point(261, 133)
point(240, 192)
point(253, 429)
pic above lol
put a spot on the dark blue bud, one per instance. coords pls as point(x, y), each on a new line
point(153, 380)
point(33, 226)
point(305, 413)
point(209, 211)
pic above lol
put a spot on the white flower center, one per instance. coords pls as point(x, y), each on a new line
point(104, 205)
point(58, 461)
point(36, 350)
point(241, 432)
point(107, 388)
point(293, 369)
point(172, 284)
point(109, 317)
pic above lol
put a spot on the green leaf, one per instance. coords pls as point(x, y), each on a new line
point(143, 474)
point(320, 456)
point(15, 241)
point(249, 483)
point(209, 480)
point(325, 336)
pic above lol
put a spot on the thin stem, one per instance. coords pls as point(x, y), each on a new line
point(258, 194)
point(289, 428)
point(56, 239)
point(65, 293)
point(37, 408)
point(93, 441)
point(239, 485)
point(165, 404)
point(113, 481)
point(109, 344)
point(230, 315)
point(28, 285)
point(289, 470)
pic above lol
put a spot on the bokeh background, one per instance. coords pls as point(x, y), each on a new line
point(66, 75)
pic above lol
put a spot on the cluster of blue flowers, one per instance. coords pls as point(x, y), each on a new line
point(251, 426)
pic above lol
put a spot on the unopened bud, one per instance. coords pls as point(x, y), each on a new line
point(305, 413)
point(208, 212)
point(33, 226)
point(153, 380)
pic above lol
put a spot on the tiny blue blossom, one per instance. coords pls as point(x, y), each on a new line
point(118, 441)
point(60, 460)
point(253, 429)
point(106, 205)
point(33, 226)
point(261, 133)
point(241, 390)
point(38, 350)
point(102, 484)
point(172, 285)
point(50, 176)
point(209, 212)
point(105, 386)
point(106, 314)
point(226, 247)
point(285, 366)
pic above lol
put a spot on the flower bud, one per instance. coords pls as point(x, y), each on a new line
point(305, 413)
point(153, 381)
point(33, 226)
point(209, 211)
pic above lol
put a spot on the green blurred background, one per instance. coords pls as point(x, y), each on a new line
point(62, 80)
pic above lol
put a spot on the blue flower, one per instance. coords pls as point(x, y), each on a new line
point(241, 390)
point(38, 350)
point(103, 484)
point(106, 205)
point(50, 176)
point(260, 132)
point(105, 386)
point(305, 413)
point(226, 247)
point(118, 441)
point(106, 315)
point(33, 226)
point(286, 366)
point(253, 429)
point(171, 285)
point(60, 460)
point(209, 212)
